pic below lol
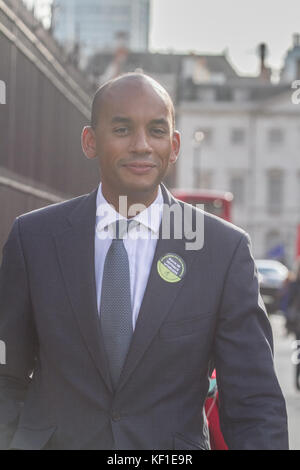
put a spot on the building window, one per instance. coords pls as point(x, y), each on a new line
point(241, 95)
point(238, 136)
point(275, 191)
point(298, 69)
point(298, 191)
point(203, 136)
point(224, 94)
point(275, 137)
point(206, 94)
point(237, 187)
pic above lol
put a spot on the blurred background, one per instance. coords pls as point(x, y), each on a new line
point(233, 71)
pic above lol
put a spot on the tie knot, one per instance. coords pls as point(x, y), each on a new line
point(121, 228)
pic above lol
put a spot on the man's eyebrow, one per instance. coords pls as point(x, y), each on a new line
point(120, 119)
point(160, 122)
point(127, 120)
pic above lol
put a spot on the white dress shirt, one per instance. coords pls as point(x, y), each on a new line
point(140, 245)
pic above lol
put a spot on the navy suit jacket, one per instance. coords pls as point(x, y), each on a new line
point(55, 388)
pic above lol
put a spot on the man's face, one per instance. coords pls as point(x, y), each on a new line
point(134, 138)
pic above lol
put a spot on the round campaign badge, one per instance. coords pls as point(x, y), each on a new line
point(171, 267)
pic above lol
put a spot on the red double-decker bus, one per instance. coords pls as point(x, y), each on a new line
point(216, 202)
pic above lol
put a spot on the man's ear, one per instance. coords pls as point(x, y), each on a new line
point(175, 147)
point(88, 142)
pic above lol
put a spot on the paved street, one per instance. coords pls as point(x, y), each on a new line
point(285, 371)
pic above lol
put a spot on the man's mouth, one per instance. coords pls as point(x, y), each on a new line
point(140, 168)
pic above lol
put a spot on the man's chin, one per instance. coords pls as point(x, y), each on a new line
point(140, 188)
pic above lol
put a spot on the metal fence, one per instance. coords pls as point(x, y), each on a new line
point(17, 198)
point(45, 109)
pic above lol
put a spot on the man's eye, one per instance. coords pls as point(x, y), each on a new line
point(121, 130)
point(158, 131)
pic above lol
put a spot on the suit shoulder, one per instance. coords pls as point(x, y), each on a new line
point(223, 226)
point(222, 239)
point(50, 215)
point(215, 223)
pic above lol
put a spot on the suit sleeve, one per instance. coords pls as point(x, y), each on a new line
point(252, 407)
point(18, 340)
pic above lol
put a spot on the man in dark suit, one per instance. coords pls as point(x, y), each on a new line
point(110, 340)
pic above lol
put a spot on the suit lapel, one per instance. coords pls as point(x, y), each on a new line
point(158, 298)
point(76, 253)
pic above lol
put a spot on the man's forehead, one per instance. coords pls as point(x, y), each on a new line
point(127, 90)
point(131, 103)
point(132, 94)
point(137, 81)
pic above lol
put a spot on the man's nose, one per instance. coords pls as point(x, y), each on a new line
point(140, 142)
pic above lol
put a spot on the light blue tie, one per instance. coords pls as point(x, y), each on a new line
point(115, 306)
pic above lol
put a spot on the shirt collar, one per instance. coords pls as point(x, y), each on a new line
point(150, 217)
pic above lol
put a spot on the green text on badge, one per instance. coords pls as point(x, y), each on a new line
point(171, 267)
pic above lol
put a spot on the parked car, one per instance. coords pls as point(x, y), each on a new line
point(271, 274)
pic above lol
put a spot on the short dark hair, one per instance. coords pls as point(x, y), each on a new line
point(96, 104)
